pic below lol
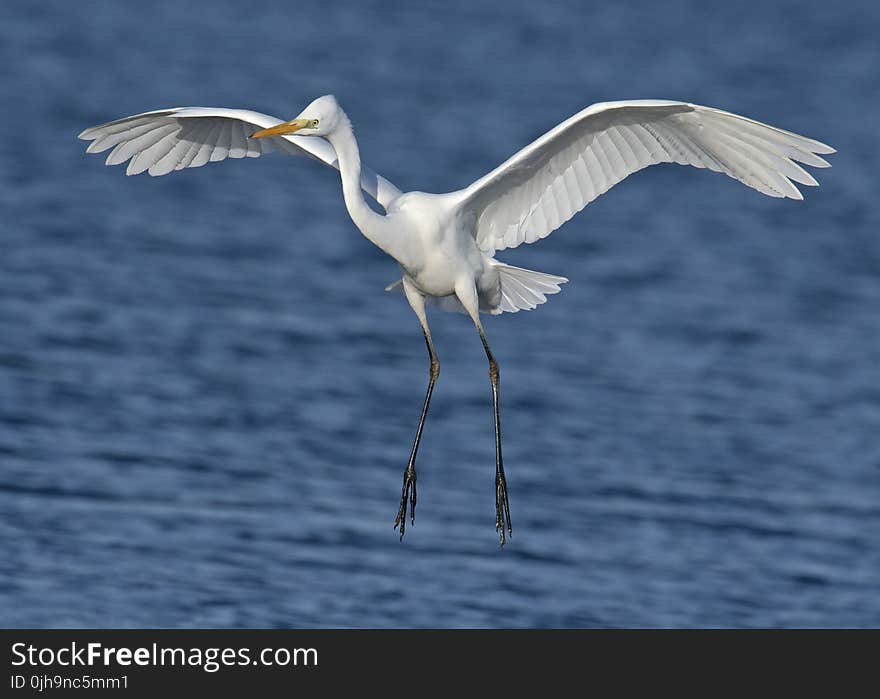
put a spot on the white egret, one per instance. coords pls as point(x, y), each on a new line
point(445, 244)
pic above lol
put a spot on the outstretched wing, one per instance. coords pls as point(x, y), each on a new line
point(162, 141)
point(546, 183)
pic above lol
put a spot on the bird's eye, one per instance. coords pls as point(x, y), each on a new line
point(315, 122)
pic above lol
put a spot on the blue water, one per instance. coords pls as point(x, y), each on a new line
point(207, 400)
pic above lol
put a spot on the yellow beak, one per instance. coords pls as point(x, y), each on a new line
point(287, 127)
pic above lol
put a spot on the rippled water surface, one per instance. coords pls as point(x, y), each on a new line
point(207, 400)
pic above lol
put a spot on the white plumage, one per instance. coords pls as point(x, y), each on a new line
point(541, 187)
point(166, 140)
point(446, 243)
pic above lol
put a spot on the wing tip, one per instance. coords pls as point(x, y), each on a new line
point(823, 148)
point(91, 133)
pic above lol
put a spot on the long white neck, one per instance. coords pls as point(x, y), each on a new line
point(375, 227)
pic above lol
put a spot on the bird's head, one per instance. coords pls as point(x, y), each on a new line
point(320, 118)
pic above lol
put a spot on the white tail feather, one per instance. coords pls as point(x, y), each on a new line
point(521, 290)
point(524, 289)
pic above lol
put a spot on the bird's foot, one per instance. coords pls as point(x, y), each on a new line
point(502, 507)
point(408, 496)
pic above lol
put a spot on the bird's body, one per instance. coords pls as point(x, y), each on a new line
point(435, 246)
point(445, 244)
point(440, 248)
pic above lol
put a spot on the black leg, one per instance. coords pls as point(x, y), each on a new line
point(502, 503)
point(408, 496)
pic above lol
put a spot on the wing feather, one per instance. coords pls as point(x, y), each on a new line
point(224, 140)
point(189, 156)
point(168, 162)
point(146, 158)
point(102, 143)
point(545, 184)
point(165, 140)
point(237, 144)
point(203, 156)
point(126, 149)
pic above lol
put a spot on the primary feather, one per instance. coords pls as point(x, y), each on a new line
point(166, 140)
point(542, 186)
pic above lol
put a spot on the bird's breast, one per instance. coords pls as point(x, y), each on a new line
point(435, 276)
point(445, 261)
